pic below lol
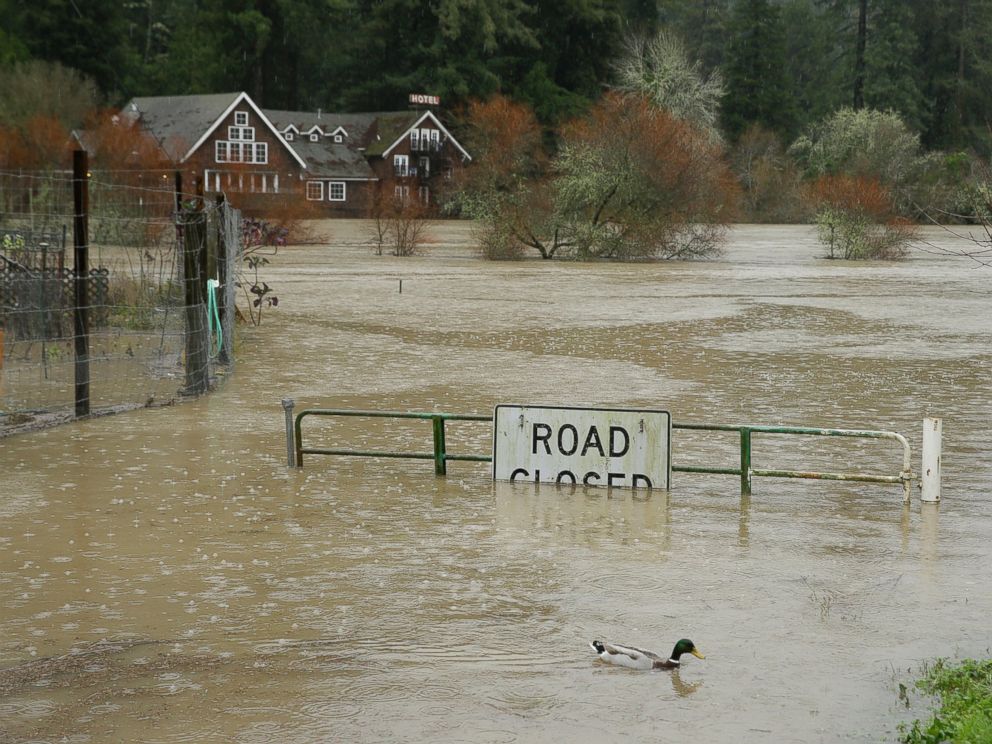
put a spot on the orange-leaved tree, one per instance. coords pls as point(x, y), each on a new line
point(628, 181)
point(856, 218)
point(632, 181)
point(506, 189)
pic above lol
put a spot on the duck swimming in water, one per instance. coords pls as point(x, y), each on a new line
point(636, 658)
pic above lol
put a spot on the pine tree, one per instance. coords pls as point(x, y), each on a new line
point(757, 88)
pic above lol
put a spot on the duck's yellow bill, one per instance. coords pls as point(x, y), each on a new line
point(696, 653)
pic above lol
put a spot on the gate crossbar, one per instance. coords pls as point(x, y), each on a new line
point(746, 472)
point(440, 455)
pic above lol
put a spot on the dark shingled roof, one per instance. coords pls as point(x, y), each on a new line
point(356, 125)
point(178, 122)
point(390, 127)
point(326, 159)
point(375, 131)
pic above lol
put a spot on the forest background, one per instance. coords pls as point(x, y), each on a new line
point(793, 76)
point(930, 61)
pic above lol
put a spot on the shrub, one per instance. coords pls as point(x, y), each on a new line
point(855, 219)
point(964, 692)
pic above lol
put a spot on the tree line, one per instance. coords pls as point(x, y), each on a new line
point(786, 64)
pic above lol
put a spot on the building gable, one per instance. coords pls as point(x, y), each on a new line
point(434, 120)
point(243, 98)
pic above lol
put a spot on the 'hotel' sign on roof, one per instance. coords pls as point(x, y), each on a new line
point(422, 99)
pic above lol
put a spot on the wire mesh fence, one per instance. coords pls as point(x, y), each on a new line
point(152, 329)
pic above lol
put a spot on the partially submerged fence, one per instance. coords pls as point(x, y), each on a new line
point(440, 455)
point(103, 291)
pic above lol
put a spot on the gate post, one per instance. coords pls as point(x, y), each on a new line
point(440, 463)
point(930, 470)
point(287, 406)
point(745, 461)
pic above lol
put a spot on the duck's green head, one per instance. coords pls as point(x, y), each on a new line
point(685, 646)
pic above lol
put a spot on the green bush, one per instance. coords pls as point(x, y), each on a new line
point(964, 692)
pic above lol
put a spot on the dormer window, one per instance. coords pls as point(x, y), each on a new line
point(289, 136)
point(314, 137)
point(240, 118)
point(338, 138)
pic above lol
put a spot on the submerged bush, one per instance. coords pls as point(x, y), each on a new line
point(855, 219)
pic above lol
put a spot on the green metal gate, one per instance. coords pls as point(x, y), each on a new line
point(440, 455)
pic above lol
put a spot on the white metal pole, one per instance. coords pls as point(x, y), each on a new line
point(930, 472)
point(287, 406)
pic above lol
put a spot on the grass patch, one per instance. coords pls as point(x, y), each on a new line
point(964, 693)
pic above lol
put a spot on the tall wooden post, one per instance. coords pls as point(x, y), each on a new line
point(80, 240)
point(197, 333)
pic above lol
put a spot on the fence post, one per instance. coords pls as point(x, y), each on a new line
point(194, 227)
point(440, 461)
point(745, 461)
point(287, 406)
point(80, 240)
point(930, 470)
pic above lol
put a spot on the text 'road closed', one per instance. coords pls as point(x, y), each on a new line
point(618, 448)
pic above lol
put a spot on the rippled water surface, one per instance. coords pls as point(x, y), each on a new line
point(164, 577)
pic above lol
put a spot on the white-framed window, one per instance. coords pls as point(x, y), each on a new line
point(425, 139)
point(424, 194)
point(338, 138)
point(335, 191)
point(414, 140)
point(241, 133)
point(289, 136)
point(401, 194)
point(424, 166)
point(315, 190)
point(436, 140)
point(240, 118)
point(241, 152)
point(314, 137)
point(401, 164)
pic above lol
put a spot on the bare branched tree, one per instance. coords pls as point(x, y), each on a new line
point(660, 69)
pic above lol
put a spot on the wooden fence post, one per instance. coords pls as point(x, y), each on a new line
point(194, 226)
point(80, 237)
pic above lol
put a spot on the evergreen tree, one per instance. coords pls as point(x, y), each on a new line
point(757, 89)
point(891, 74)
point(702, 24)
point(815, 70)
point(86, 36)
point(955, 57)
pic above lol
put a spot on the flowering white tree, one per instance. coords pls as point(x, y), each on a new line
point(660, 69)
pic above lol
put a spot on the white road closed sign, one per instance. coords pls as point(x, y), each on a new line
point(610, 447)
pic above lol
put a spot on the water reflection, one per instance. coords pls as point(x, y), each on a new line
point(682, 688)
point(743, 522)
point(638, 519)
point(929, 532)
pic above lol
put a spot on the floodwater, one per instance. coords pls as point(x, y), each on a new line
point(164, 577)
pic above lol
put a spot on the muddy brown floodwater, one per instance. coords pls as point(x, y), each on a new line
point(164, 576)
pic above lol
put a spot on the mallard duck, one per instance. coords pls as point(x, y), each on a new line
point(635, 658)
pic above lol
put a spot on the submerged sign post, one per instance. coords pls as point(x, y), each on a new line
point(618, 447)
